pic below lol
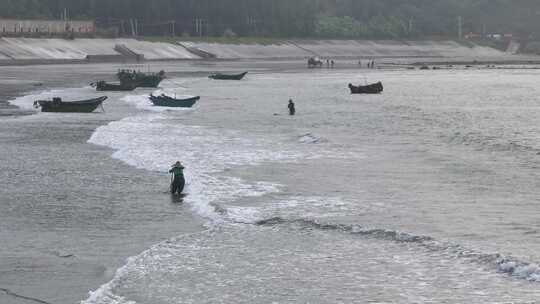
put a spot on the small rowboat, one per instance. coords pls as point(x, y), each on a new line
point(219, 76)
point(79, 106)
point(167, 101)
point(374, 88)
point(105, 86)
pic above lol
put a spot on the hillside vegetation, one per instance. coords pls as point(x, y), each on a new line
point(374, 19)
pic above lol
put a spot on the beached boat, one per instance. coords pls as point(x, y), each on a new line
point(105, 86)
point(374, 88)
point(219, 76)
point(79, 106)
point(167, 101)
point(140, 79)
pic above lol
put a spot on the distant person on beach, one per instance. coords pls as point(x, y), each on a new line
point(178, 181)
point(292, 110)
point(332, 63)
point(371, 64)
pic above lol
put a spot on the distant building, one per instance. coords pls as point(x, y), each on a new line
point(22, 27)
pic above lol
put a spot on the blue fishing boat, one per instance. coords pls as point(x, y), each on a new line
point(167, 101)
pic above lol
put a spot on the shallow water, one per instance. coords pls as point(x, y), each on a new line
point(427, 193)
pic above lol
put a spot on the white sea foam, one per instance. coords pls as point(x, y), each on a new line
point(311, 139)
point(104, 294)
point(153, 141)
point(306, 207)
point(150, 142)
point(530, 272)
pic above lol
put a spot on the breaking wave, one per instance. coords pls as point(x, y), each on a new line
point(503, 264)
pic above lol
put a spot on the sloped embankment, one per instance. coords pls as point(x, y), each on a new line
point(31, 50)
point(345, 49)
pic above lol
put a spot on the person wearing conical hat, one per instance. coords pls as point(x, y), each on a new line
point(178, 182)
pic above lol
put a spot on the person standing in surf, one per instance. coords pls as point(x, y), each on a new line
point(178, 181)
point(292, 110)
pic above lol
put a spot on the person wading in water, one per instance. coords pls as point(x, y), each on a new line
point(292, 110)
point(178, 181)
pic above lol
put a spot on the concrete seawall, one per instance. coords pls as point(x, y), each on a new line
point(347, 49)
point(31, 50)
point(249, 51)
point(13, 50)
point(337, 48)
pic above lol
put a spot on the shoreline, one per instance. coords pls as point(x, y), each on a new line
point(386, 60)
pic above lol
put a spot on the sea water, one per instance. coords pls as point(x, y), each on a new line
point(427, 193)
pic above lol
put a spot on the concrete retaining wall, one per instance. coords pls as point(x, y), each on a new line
point(31, 49)
point(157, 50)
point(94, 46)
point(345, 48)
point(250, 51)
point(24, 48)
point(79, 49)
point(59, 49)
point(366, 48)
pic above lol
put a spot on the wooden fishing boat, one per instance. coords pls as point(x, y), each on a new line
point(374, 88)
point(219, 76)
point(79, 106)
point(105, 86)
point(140, 79)
point(167, 101)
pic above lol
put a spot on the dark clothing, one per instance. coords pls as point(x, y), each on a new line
point(177, 171)
point(292, 110)
point(177, 185)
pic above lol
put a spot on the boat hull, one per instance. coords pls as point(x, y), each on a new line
point(82, 106)
point(375, 88)
point(165, 101)
point(227, 77)
point(150, 82)
point(139, 79)
point(104, 86)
